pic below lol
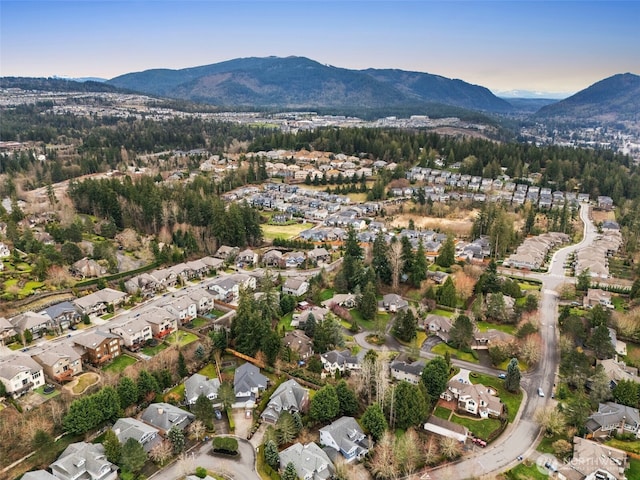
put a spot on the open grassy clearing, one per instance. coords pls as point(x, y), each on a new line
point(442, 412)
point(286, 322)
point(269, 232)
point(442, 313)
point(632, 446)
point(484, 326)
point(85, 381)
point(443, 348)
point(526, 472)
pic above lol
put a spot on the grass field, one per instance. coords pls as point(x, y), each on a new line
point(634, 469)
point(119, 364)
point(286, 322)
point(633, 354)
point(40, 391)
point(176, 393)
point(443, 348)
point(369, 325)
point(633, 446)
point(269, 232)
point(326, 294)
point(526, 472)
point(184, 338)
point(85, 381)
point(199, 322)
point(484, 326)
point(442, 412)
point(479, 428)
point(209, 371)
point(442, 313)
point(511, 400)
point(151, 351)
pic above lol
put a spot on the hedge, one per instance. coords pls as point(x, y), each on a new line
point(225, 445)
point(232, 423)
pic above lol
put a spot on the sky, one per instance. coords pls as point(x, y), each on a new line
point(534, 46)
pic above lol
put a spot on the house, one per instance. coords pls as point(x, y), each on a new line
point(295, 286)
point(146, 435)
point(145, 283)
point(161, 321)
point(197, 384)
point(87, 268)
point(165, 416)
point(483, 340)
point(97, 303)
point(62, 315)
point(310, 461)
point(7, 331)
point(202, 298)
point(594, 461)
point(439, 326)
point(247, 257)
point(409, 372)
point(319, 255)
point(288, 397)
point(248, 384)
point(97, 347)
point(617, 371)
point(226, 253)
point(4, 251)
point(336, 360)
point(475, 399)
point(299, 343)
point(445, 428)
point(302, 317)
point(36, 323)
point(605, 203)
point(59, 360)
point(596, 296)
point(613, 418)
point(181, 308)
point(273, 258)
point(86, 461)
point(134, 331)
point(20, 374)
point(344, 435)
point(293, 259)
point(393, 302)
point(38, 475)
point(347, 300)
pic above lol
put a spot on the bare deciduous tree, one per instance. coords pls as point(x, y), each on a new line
point(161, 452)
point(396, 263)
point(551, 420)
point(197, 430)
point(450, 448)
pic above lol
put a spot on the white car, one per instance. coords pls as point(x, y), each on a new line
point(540, 392)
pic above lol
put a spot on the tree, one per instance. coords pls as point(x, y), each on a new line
point(41, 438)
point(380, 261)
point(408, 451)
point(461, 333)
point(627, 393)
point(325, 404)
point(447, 255)
point(374, 421)
point(368, 304)
point(161, 452)
point(512, 380)
point(446, 294)
point(286, 428)
point(496, 308)
point(271, 455)
point(347, 399)
point(176, 437)
point(290, 472)
point(327, 335)
point(112, 446)
point(383, 464)
point(310, 326)
point(551, 420)
point(127, 392)
point(450, 448)
point(182, 366)
point(419, 268)
point(408, 406)
point(226, 395)
point(352, 260)
point(600, 342)
point(435, 377)
point(405, 326)
point(197, 429)
point(203, 410)
point(583, 280)
point(147, 386)
point(133, 456)
point(600, 388)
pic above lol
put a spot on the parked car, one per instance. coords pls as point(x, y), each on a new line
point(502, 375)
point(218, 414)
point(540, 392)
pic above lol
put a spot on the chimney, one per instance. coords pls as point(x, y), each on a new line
point(160, 411)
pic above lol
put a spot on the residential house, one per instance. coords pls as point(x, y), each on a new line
point(147, 435)
point(97, 347)
point(62, 315)
point(226, 253)
point(613, 418)
point(165, 416)
point(475, 399)
point(288, 397)
point(197, 384)
point(336, 360)
point(302, 317)
point(162, 321)
point(617, 371)
point(182, 308)
point(134, 331)
point(86, 461)
point(439, 326)
point(344, 435)
point(202, 298)
point(293, 259)
point(59, 360)
point(20, 374)
point(483, 340)
point(594, 461)
point(213, 264)
point(319, 255)
point(36, 323)
point(248, 384)
point(38, 475)
point(87, 268)
point(596, 296)
point(310, 461)
point(97, 303)
point(409, 372)
point(295, 286)
point(299, 343)
point(273, 258)
point(164, 278)
point(247, 257)
point(605, 203)
point(445, 428)
point(346, 300)
point(393, 302)
point(7, 330)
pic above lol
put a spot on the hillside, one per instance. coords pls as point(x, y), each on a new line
point(57, 85)
point(298, 82)
point(616, 98)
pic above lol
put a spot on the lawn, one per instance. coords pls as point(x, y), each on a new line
point(633, 354)
point(545, 444)
point(176, 393)
point(209, 371)
point(511, 400)
point(484, 326)
point(442, 412)
point(442, 313)
point(632, 446)
point(269, 232)
point(286, 322)
point(199, 322)
point(152, 351)
point(443, 348)
point(40, 391)
point(30, 287)
point(479, 428)
point(417, 342)
point(369, 325)
point(503, 366)
point(107, 316)
point(526, 472)
point(119, 364)
point(184, 338)
point(618, 303)
point(526, 286)
point(634, 469)
point(326, 294)
point(85, 381)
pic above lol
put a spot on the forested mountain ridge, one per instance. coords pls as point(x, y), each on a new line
point(298, 82)
point(58, 85)
point(615, 98)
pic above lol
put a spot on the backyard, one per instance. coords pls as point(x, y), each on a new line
point(183, 338)
point(154, 350)
point(119, 363)
point(443, 348)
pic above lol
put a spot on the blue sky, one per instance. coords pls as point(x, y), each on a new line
point(547, 46)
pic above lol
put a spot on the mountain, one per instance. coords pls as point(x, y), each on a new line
point(298, 82)
point(57, 85)
point(529, 105)
point(616, 98)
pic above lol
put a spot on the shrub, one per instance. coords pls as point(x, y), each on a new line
point(225, 445)
point(201, 472)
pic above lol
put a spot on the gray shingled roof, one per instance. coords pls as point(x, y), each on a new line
point(248, 377)
point(197, 384)
point(289, 396)
point(308, 459)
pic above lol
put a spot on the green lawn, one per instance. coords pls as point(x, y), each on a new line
point(442, 313)
point(633, 354)
point(511, 400)
point(119, 364)
point(199, 322)
point(326, 294)
point(484, 326)
point(40, 391)
point(634, 469)
point(632, 446)
point(618, 303)
point(152, 351)
point(526, 472)
point(503, 365)
point(85, 381)
point(286, 322)
point(176, 393)
point(529, 286)
point(184, 338)
point(107, 316)
point(479, 428)
point(442, 412)
point(209, 371)
point(269, 232)
point(369, 325)
point(30, 287)
point(545, 444)
point(443, 348)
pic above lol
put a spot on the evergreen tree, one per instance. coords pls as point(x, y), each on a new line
point(374, 421)
point(112, 446)
point(133, 456)
point(461, 333)
point(447, 255)
point(627, 392)
point(380, 260)
point(405, 326)
point(147, 385)
point(176, 437)
point(325, 404)
point(352, 260)
point(347, 399)
point(182, 366)
point(435, 377)
point(310, 326)
point(408, 257)
point(409, 407)
point(419, 267)
point(368, 304)
point(600, 343)
point(446, 294)
point(290, 472)
point(203, 410)
point(512, 380)
point(271, 455)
